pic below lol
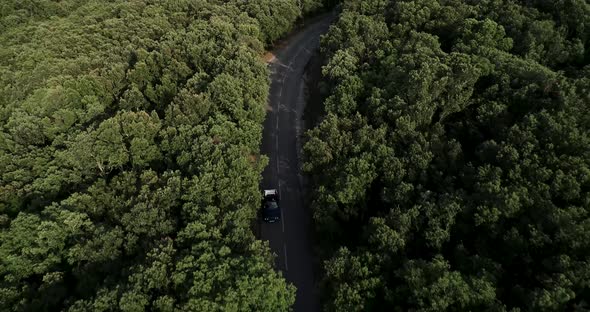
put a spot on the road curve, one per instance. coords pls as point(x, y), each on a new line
point(290, 238)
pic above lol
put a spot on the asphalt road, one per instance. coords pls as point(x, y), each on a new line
point(290, 238)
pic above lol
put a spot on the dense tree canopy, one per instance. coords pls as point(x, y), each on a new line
point(129, 154)
point(452, 169)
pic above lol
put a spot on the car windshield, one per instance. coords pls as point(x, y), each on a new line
point(271, 205)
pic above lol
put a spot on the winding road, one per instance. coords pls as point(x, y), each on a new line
point(290, 238)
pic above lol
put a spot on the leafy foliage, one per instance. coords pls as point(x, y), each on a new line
point(452, 169)
point(129, 155)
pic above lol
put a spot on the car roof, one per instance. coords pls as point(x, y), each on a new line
point(271, 204)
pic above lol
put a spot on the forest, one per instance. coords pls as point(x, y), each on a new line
point(451, 170)
point(129, 154)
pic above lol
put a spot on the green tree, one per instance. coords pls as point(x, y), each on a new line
point(129, 154)
point(450, 172)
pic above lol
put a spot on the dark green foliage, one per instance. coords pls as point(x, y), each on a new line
point(453, 167)
point(129, 155)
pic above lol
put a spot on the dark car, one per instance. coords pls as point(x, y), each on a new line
point(271, 211)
